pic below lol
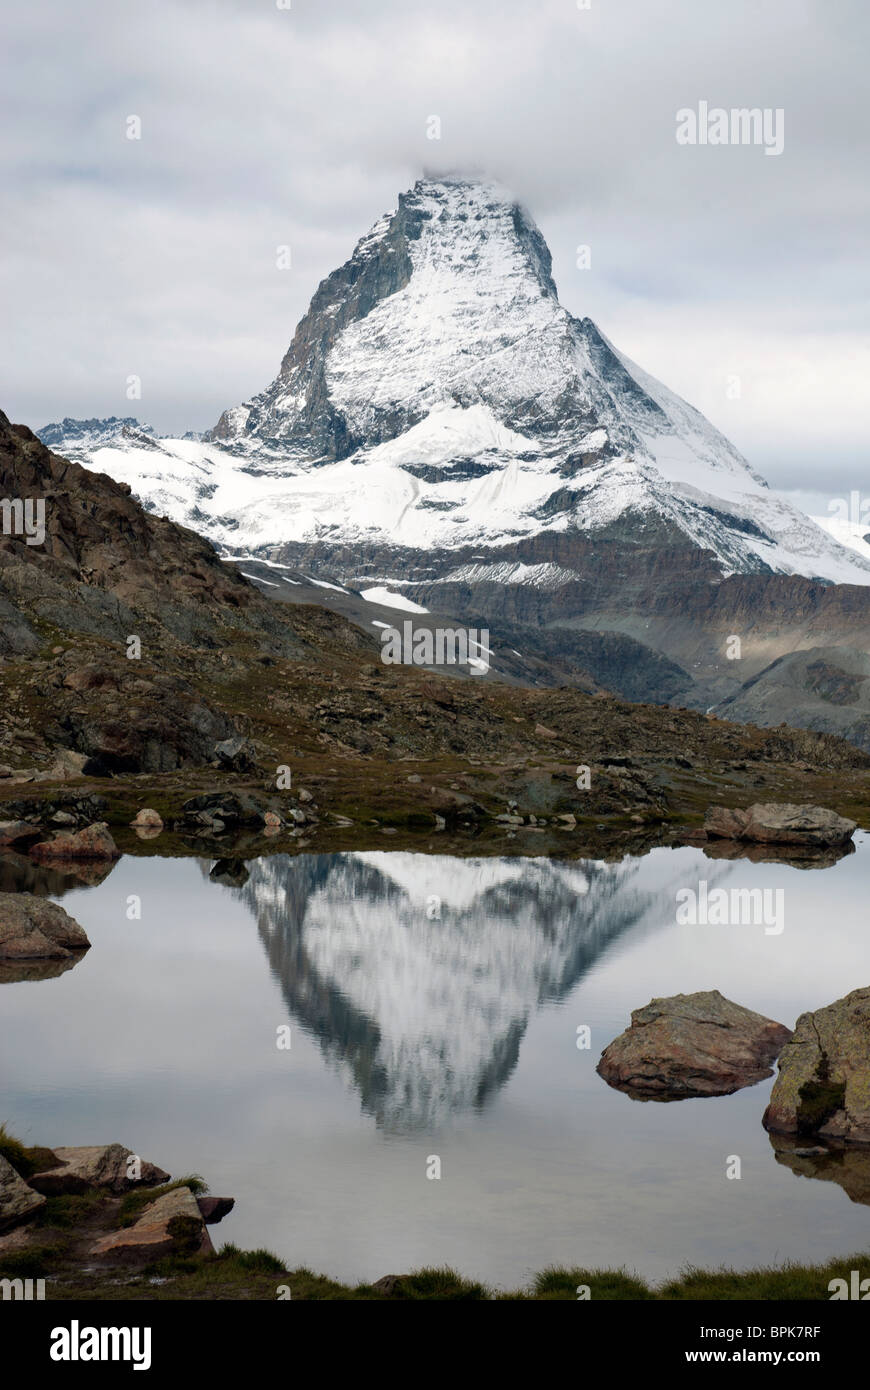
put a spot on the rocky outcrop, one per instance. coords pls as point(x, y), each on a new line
point(170, 1225)
point(33, 928)
point(94, 842)
point(771, 823)
point(106, 1167)
point(823, 1082)
point(18, 1202)
point(236, 754)
point(692, 1045)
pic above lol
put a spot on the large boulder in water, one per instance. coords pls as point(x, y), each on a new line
point(780, 823)
point(692, 1045)
point(33, 928)
point(94, 842)
point(823, 1084)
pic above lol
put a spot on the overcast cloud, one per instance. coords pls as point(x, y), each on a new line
point(263, 126)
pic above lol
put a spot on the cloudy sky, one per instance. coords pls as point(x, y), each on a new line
point(264, 126)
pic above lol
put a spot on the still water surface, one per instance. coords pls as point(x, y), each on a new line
point(414, 1036)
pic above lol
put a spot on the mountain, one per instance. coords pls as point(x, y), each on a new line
point(128, 650)
point(442, 428)
point(436, 393)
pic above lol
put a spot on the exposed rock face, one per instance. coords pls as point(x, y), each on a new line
point(829, 684)
point(33, 928)
point(692, 1045)
point(18, 1202)
point(771, 823)
point(103, 1166)
point(171, 1224)
point(94, 842)
point(236, 754)
point(823, 1083)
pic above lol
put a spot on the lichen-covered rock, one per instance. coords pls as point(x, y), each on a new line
point(104, 1166)
point(33, 928)
point(170, 1225)
point(692, 1045)
point(94, 842)
point(18, 1202)
point(823, 1083)
point(784, 824)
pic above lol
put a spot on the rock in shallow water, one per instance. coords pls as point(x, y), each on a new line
point(692, 1045)
point(94, 842)
point(784, 824)
point(33, 928)
point(823, 1085)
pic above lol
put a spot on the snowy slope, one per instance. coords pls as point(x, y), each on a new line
point(437, 395)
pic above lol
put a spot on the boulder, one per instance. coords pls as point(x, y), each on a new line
point(231, 808)
point(692, 1045)
point(236, 754)
point(18, 1202)
point(170, 1225)
point(33, 928)
point(214, 1209)
point(102, 1166)
point(823, 1083)
point(781, 824)
point(94, 842)
point(147, 819)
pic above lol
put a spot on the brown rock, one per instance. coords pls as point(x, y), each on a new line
point(692, 1045)
point(214, 1209)
point(94, 842)
point(147, 819)
point(18, 1202)
point(103, 1166)
point(33, 928)
point(17, 832)
point(784, 824)
point(170, 1225)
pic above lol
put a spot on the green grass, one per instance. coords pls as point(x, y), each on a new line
point(25, 1161)
point(66, 1211)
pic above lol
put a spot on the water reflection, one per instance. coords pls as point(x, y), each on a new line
point(848, 1167)
point(418, 974)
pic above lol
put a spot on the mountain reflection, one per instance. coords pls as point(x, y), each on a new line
point(418, 973)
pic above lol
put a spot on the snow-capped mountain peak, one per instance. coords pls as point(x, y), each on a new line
point(437, 395)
